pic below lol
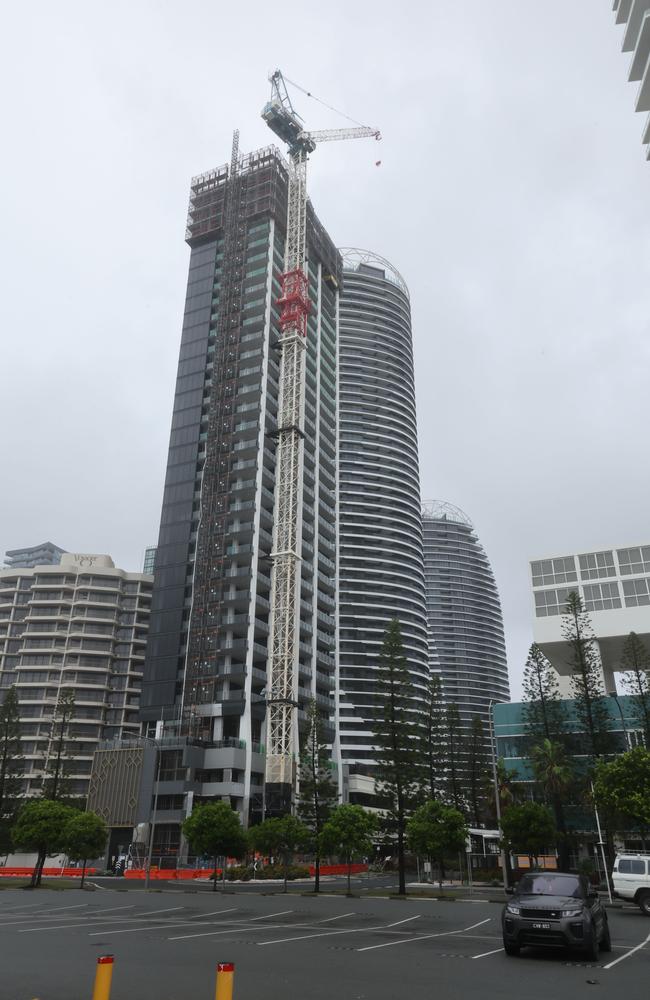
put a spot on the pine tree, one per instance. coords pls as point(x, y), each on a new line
point(545, 720)
point(454, 757)
point(396, 732)
point(586, 682)
point(432, 742)
point(55, 784)
point(478, 771)
point(543, 713)
point(10, 764)
point(635, 661)
point(318, 793)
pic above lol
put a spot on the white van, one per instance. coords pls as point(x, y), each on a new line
point(631, 878)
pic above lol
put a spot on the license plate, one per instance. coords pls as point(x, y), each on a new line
point(541, 927)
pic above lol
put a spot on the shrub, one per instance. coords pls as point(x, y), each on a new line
point(245, 873)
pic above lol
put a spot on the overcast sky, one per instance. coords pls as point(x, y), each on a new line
point(512, 195)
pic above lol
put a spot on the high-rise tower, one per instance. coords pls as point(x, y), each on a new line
point(381, 572)
point(464, 615)
point(207, 656)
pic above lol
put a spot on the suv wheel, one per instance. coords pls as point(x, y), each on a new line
point(510, 949)
point(644, 903)
point(606, 940)
point(592, 950)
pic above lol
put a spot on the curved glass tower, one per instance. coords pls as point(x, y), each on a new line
point(381, 568)
point(464, 614)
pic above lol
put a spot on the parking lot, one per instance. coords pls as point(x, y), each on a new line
point(166, 946)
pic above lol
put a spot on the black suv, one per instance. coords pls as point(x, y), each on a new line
point(553, 909)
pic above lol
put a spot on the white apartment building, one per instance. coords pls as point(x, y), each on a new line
point(614, 585)
point(78, 626)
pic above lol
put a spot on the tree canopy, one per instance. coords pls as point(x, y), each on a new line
point(622, 786)
point(214, 829)
point(348, 832)
point(528, 828)
point(40, 827)
point(437, 831)
point(84, 837)
point(280, 835)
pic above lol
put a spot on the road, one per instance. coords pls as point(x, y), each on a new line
point(293, 947)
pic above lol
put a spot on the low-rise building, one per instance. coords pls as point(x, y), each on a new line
point(614, 585)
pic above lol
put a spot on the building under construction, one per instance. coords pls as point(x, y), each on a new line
point(207, 656)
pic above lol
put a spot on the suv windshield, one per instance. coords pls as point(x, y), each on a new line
point(550, 885)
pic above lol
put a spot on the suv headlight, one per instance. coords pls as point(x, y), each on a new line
point(576, 911)
point(511, 908)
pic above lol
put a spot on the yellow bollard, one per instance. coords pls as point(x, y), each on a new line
point(225, 979)
point(103, 976)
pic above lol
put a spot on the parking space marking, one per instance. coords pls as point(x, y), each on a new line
point(214, 913)
point(267, 916)
point(340, 916)
point(168, 909)
point(486, 953)
point(234, 929)
point(348, 930)
point(63, 927)
point(110, 909)
point(424, 937)
point(135, 930)
point(622, 958)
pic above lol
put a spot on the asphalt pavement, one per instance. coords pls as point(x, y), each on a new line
point(167, 943)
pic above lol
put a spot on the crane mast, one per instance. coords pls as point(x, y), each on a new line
point(284, 620)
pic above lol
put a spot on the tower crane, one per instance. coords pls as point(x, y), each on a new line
point(284, 621)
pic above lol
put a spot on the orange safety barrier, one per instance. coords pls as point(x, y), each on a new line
point(171, 874)
point(49, 872)
point(338, 869)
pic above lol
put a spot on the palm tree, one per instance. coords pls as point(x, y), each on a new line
point(555, 776)
point(505, 780)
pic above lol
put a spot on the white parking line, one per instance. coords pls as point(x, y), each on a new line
point(64, 927)
point(110, 909)
point(136, 930)
point(267, 916)
point(486, 953)
point(328, 920)
point(234, 929)
point(168, 909)
point(622, 958)
point(214, 913)
point(424, 937)
point(350, 930)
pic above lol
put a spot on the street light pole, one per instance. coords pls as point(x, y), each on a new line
point(152, 825)
point(601, 843)
point(497, 799)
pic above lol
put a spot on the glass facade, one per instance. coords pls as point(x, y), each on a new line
point(381, 570)
point(607, 595)
point(46, 554)
point(464, 612)
point(207, 655)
